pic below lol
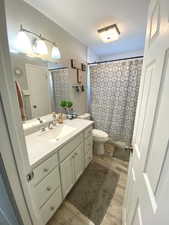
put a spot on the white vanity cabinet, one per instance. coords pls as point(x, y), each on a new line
point(51, 206)
point(44, 169)
point(71, 169)
point(88, 150)
point(46, 188)
point(55, 176)
point(88, 146)
point(67, 174)
point(78, 161)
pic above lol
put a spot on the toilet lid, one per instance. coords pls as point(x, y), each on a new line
point(99, 133)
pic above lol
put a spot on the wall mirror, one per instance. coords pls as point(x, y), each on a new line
point(36, 84)
point(41, 86)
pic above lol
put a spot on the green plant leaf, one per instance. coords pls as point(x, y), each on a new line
point(63, 103)
point(69, 104)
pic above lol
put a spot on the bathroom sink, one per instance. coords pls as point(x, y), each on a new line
point(58, 132)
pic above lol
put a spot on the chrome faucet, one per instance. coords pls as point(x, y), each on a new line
point(43, 128)
point(50, 125)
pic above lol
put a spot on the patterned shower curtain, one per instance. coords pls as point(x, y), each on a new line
point(114, 92)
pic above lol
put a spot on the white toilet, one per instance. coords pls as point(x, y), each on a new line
point(99, 137)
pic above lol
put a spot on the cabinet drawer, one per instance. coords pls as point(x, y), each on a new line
point(44, 169)
point(51, 206)
point(69, 147)
point(88, 132)
point(48, 186)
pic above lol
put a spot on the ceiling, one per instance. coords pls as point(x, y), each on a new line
point(82, 18)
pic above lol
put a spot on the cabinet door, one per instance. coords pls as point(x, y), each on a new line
point(67, 174)
point(78, 161)
point(88, 150)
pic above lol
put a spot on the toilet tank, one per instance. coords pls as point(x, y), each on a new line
point(85, 116)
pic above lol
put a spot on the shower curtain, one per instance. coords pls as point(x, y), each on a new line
point(114, 91)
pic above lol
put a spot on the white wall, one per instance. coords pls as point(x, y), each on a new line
point(122, 55)
point(91, 56)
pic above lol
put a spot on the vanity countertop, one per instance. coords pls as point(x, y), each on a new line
point(40, 147)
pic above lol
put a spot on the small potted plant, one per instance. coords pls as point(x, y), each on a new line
point(69, 106)
point(69, 109)
point(63, 104)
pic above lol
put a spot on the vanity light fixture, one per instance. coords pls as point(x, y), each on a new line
point(39, 45)
point(109, 33)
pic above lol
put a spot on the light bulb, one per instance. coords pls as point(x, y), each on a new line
point(40, 47)
point(23, 43)
point(56, 53)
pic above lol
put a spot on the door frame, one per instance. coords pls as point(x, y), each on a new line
point(13, 150)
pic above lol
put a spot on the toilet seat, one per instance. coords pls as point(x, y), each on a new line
point(99, 135)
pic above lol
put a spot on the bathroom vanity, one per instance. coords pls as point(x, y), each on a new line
point(58, 158)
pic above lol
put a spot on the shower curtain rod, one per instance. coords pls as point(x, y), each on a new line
point(114, 60)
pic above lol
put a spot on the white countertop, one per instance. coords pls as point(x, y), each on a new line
point(39, 148)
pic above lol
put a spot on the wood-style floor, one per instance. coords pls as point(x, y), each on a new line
point(68, 214)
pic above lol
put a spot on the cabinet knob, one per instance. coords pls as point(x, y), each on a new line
point(48, 188)
point(45, 170)
point(52, 208)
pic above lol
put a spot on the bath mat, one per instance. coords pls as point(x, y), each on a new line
point(94, 191)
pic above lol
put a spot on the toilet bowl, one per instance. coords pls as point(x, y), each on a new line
point(99, 137)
